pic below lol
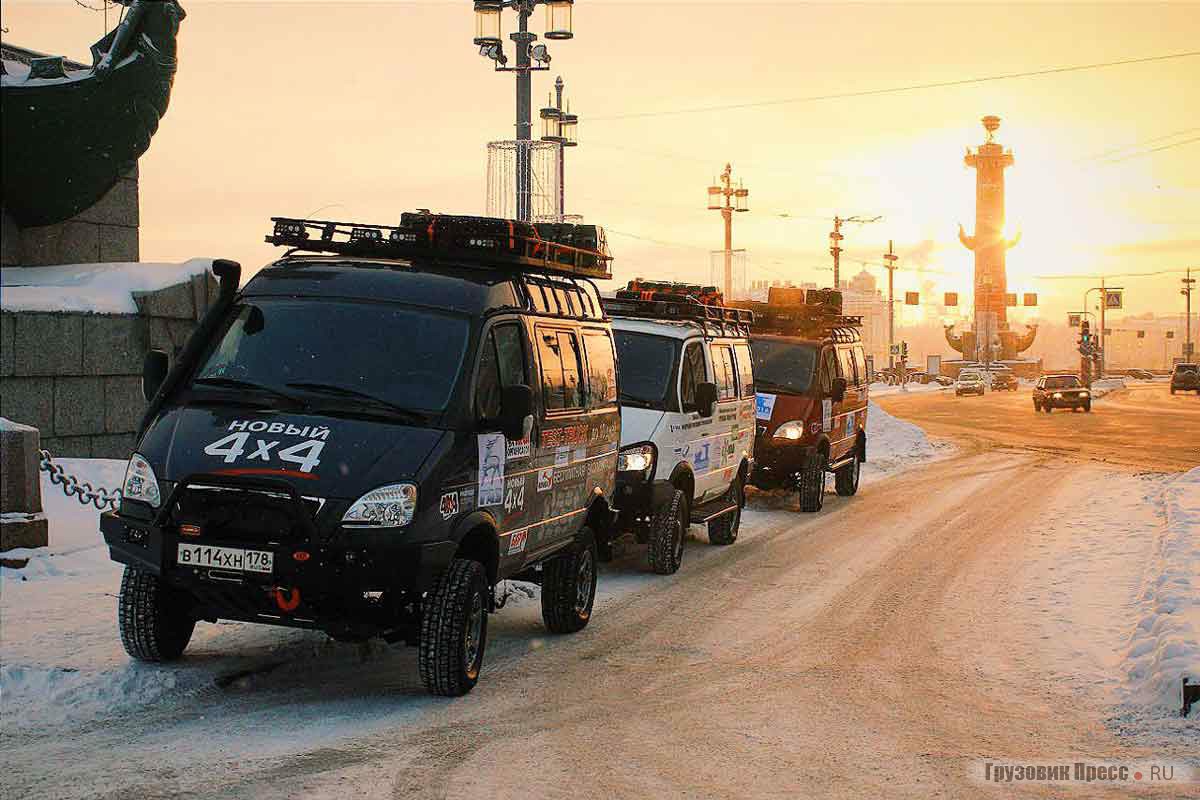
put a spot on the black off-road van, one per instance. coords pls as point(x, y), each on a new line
point(368, 442)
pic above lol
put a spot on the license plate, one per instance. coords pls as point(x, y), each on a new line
point(235, 558)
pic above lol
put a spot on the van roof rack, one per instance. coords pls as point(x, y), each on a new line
point(680, 302)
point(813, 314)
point(486, 242)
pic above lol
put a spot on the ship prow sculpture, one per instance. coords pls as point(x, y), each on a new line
point(990, 338)
point(69, 135)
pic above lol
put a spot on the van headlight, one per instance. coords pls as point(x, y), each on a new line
point(140, 483)
point(1058, 395)
point(636, 458)
point(792, 431)
point(391, 506)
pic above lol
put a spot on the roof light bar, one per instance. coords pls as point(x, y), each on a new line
point(577, 250)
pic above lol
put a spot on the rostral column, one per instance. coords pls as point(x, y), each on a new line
point(989, 245)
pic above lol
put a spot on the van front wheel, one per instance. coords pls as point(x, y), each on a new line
point(454, 630)
point(812, 482)
point(667, 531)
point(154, 619)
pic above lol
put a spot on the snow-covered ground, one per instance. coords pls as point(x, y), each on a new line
point(61, 662)
point(1110, 600)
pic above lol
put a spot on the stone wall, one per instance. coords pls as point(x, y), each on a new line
point(104, 232)
point(77, 377)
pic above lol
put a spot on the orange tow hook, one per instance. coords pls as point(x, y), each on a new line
point(287, 602)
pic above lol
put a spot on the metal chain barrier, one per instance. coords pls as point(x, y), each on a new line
point(83, 492)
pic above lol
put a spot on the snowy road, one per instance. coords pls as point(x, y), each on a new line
point(979, 607)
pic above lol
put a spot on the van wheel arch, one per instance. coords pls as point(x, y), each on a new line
point(481, 543)
point(683, 480)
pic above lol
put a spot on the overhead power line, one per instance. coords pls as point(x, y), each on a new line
point(1193, 140)
point(896, 89)
point(1109, 275)
point(1127, 147)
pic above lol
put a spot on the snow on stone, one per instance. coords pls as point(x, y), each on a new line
point(1165, 643)
point(91, 288)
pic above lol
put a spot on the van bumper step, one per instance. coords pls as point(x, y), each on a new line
point(710, 511)
point(835, 466)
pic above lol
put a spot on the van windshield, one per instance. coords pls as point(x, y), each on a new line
point(646, 368)
point(385, 354)
point(781, 366)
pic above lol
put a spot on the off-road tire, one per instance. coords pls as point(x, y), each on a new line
point(1087, 408)
point(811, 483)
point(845, 480)
point(444, 645)
point(1049, 409)
point(724, 529)
point(154, 619)
point(668, 530)
point(1037, 407)
point(562, 610)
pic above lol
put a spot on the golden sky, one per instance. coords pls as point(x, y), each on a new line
point(369, 109)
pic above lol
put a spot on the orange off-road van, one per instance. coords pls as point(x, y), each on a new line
point(810, 380)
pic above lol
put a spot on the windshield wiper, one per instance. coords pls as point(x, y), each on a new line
point(637, 401)
point(771, 386)
point(343, 391)
point(238, 383)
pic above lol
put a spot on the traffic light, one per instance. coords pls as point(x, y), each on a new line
point(904, 350)
point(1085, 332)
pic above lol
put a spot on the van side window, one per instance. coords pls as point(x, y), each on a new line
point(510, 354)
point(848, 371)
point(602, 368)
point(860, 364)
point(501, 364)
point(745, 370)
point(561, 372)
point(828, 371)
point(487, 385)
point(723, 374)
point(691, 374)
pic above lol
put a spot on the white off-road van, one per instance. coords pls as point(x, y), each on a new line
point(687, 415)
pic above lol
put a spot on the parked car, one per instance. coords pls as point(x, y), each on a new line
point(365, 443)
point(969, 381)
point(810, 373)
point(1061, 391)
point(687, 417)
point(1141, 374)
point(1185, 378)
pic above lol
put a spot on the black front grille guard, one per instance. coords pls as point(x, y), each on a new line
point(300, 512)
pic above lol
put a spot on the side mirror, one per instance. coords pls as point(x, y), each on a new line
point(516, 412)
point(839, 390)
point(154, 372)
point(706, 398)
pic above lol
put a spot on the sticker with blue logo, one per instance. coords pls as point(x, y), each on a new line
point(764, 405)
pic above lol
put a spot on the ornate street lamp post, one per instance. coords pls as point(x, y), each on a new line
point(529, 58)
point(561, 126)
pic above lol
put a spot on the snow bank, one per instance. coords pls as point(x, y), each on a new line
point(894, 445)
point(1165, 643)
point(1104, 386)
point(884, 389)
point(91, 288)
